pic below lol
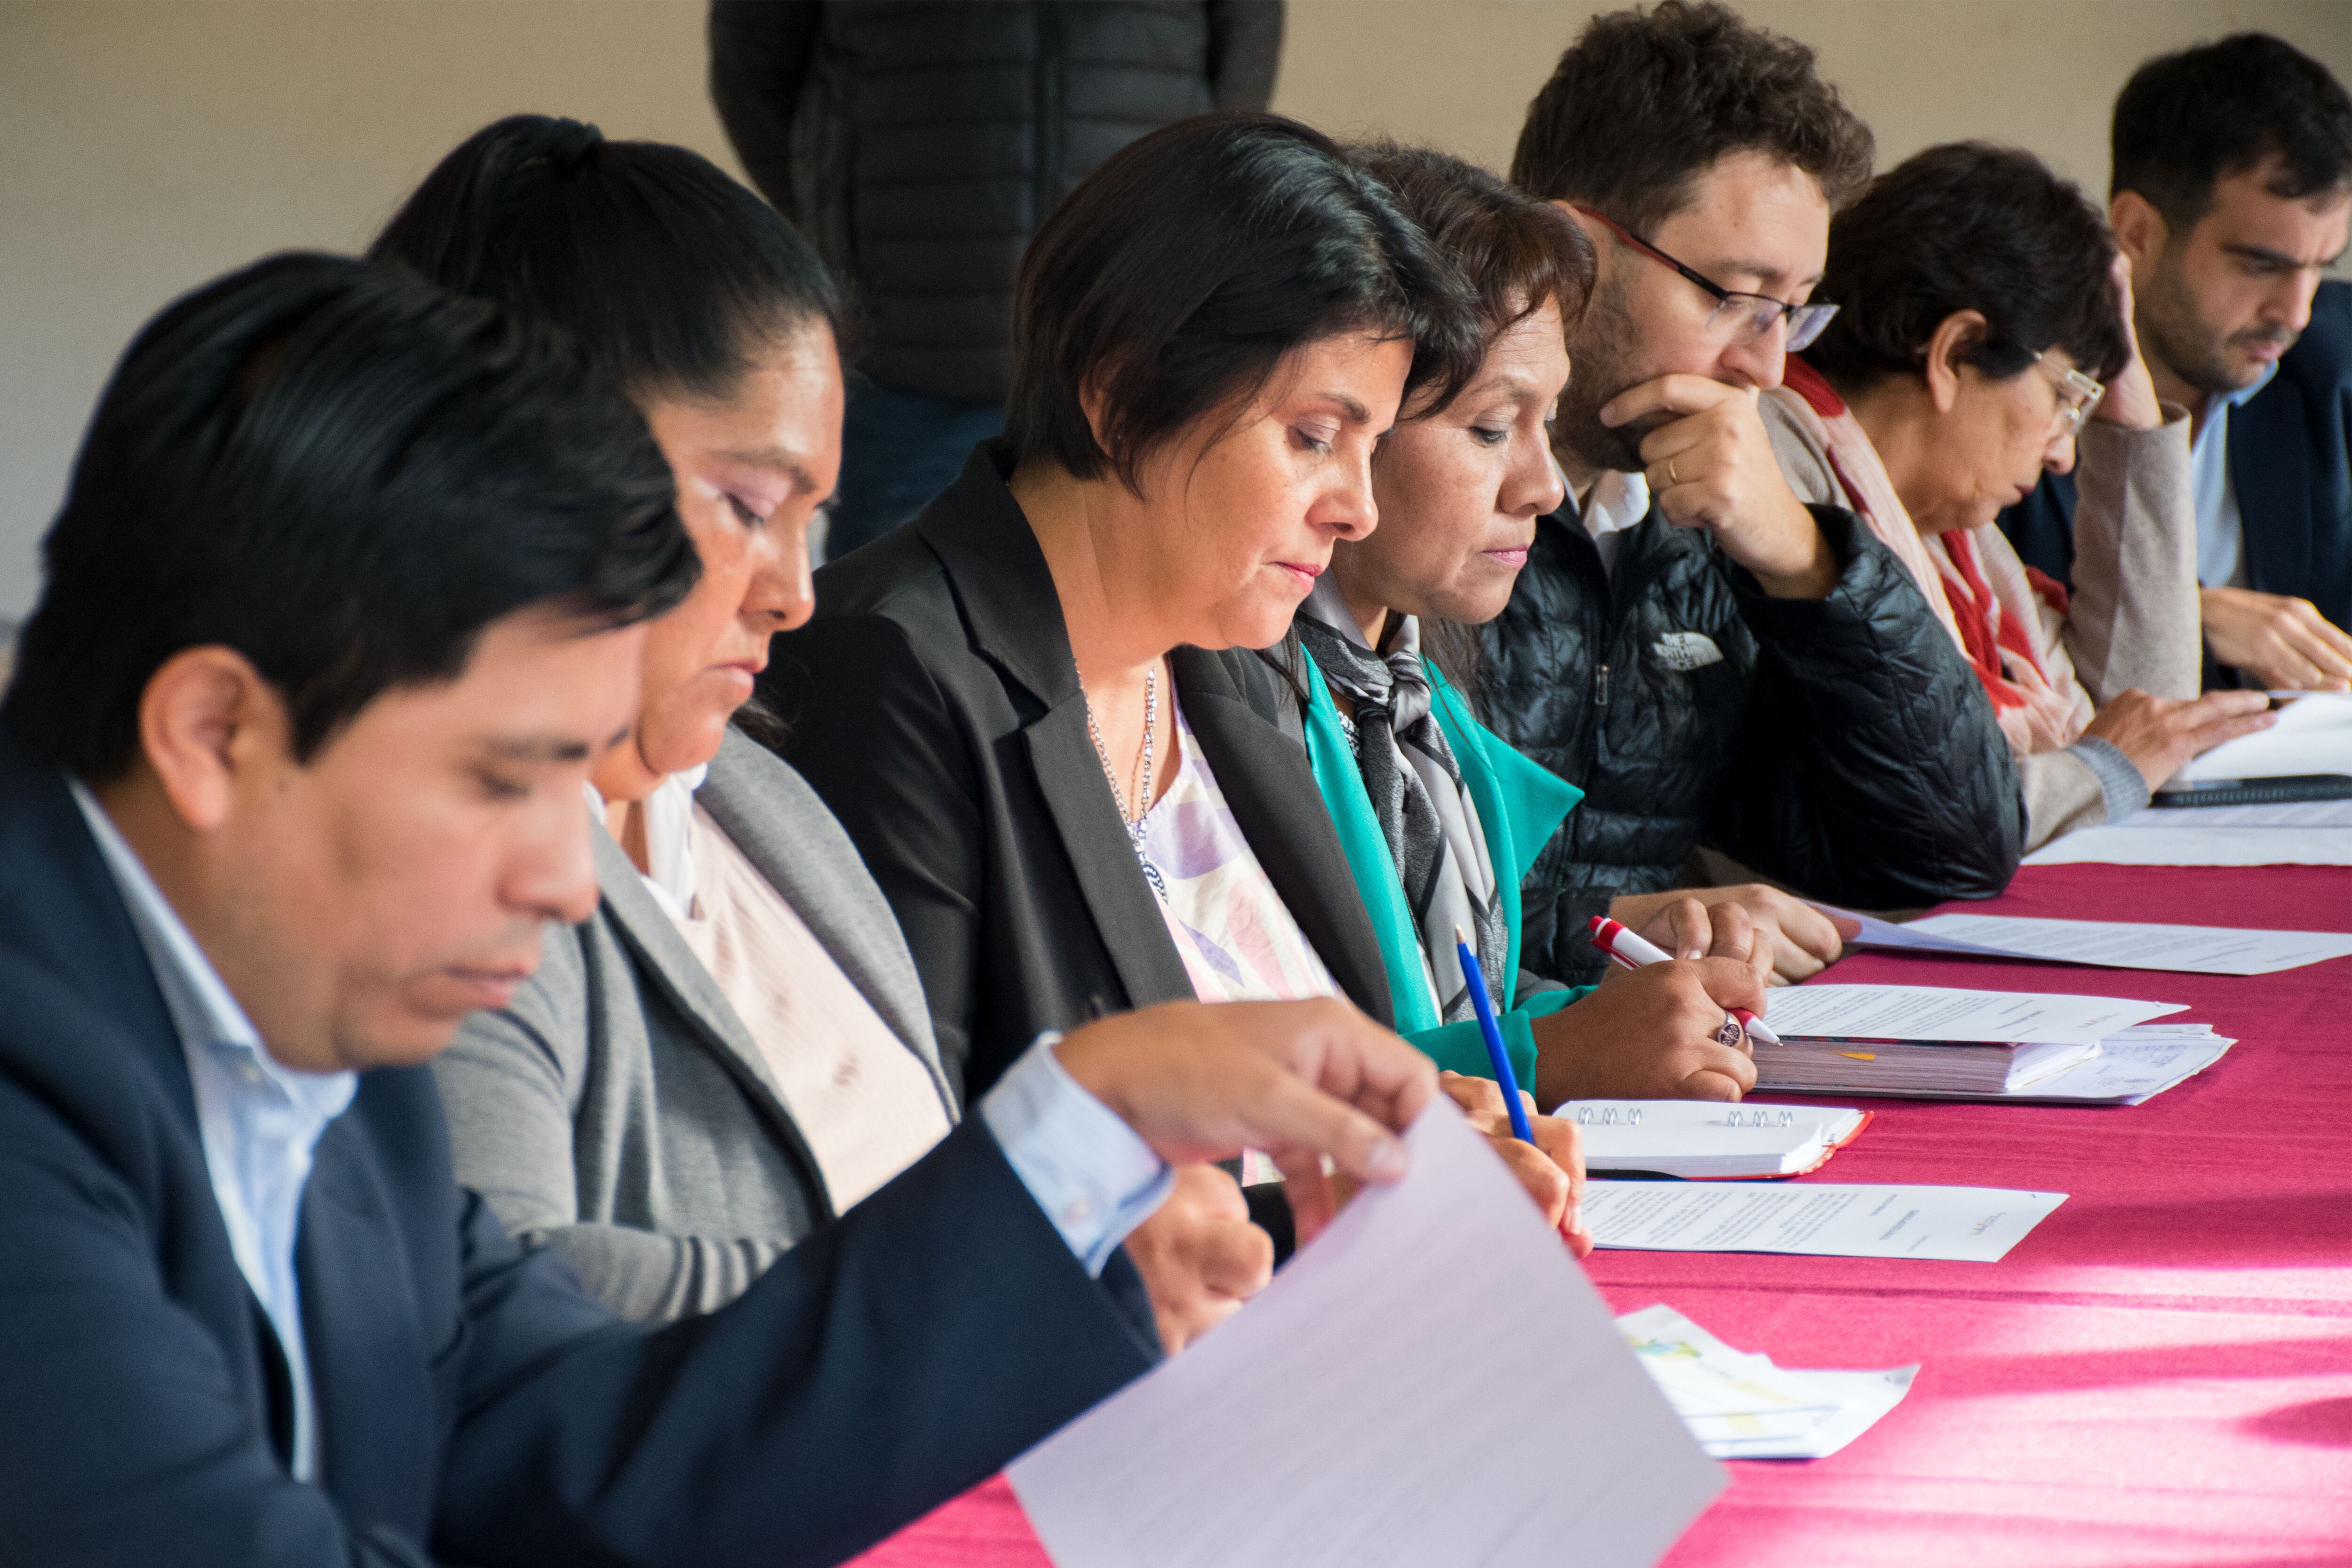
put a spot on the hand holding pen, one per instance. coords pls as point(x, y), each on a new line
point(1628, 949)
point(1546, 1153)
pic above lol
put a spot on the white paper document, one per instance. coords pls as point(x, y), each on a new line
point(1431, 1382)
point(1739, 1406)
point(1965, 1225)
point(2313, 735)
point(2286, 813)
point(1940, 1012)
point(2196, 846)
point(2113, 944)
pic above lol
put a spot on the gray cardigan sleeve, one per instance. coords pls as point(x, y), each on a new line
point(510, 1087)
point(2133, 620)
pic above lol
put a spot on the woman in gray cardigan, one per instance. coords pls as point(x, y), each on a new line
point(735, 1047)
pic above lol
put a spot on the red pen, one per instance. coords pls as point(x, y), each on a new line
point(1633, 952)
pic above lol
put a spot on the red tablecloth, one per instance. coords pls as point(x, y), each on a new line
point(2160, 1375)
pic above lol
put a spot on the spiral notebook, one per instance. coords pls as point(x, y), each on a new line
point(1708, 1141)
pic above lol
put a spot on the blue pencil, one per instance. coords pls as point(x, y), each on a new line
point(1476, 978)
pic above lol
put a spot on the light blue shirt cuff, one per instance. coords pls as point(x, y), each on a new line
point(1095, 1180)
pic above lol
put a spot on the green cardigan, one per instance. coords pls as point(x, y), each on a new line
point(1520, 806)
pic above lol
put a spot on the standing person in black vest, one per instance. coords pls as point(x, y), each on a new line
point(920, 146)
point(1710, 660)
point(2232, 192)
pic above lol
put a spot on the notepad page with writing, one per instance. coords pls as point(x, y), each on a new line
point(1431, 1384)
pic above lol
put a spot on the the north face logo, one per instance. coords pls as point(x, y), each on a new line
point(1686, 650)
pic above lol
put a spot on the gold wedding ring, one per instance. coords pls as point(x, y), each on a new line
point(1673, 479)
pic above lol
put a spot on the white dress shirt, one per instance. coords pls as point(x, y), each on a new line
point(260, 1122)
point(1615, 503)
point(2221, 532)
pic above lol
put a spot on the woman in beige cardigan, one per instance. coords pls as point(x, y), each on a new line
point(1981, 308)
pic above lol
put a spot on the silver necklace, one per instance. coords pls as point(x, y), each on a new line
point(1132, 810)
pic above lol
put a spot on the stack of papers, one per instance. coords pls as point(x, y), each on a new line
point(1741, 1406)
point(2110, 944)
point(1926, 1040)
point(1704, 1140)
point(1961, 1225)
point(1915, 1071)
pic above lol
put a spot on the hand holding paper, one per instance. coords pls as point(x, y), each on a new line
point(1430, 1384)
point(1298, 1080)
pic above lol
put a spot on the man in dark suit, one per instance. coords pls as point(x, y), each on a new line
point(2232, 192)
point(345, 600)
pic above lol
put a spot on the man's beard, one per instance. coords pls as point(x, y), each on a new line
point(1605, 344)
point(2171, 333)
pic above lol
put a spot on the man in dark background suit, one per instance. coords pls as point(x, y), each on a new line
point(344, 604)
point(2232, 192)
point(920, 145)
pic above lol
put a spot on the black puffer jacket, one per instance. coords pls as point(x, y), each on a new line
point(919, 144)
point(1839, 745)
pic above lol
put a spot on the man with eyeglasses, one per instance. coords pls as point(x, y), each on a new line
point(1716, 664)
point(2231, 194)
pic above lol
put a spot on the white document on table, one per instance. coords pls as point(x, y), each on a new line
point(1965, 1225)
point(2283, 814)
point(1740, 1406)
point(1431, 1382)
point(2313, 735)
point(2198, 845)
point(2113, 944)
point(1950, 1015)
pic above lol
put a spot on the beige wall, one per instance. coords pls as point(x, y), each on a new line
point(155, 142)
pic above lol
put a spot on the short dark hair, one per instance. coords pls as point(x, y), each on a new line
point(344, 474)
point(1969, 226)
point(1644, 103)
point(1176, 277)
point(2189, 119)
point(668, 274)
point(1516, 252)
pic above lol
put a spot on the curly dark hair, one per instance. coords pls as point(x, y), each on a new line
point(1969, 226)
point(1644, 102)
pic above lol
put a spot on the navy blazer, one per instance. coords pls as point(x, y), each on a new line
point(2291, 460)
point(472, 1400)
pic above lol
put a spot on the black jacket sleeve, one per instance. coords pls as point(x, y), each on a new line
point(1871, 769)
point(895, 1359)
point(761, 51)
point(1244, 49)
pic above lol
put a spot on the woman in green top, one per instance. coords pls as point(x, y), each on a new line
point(1440, 819)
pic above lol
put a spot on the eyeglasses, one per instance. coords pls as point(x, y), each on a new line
point(2077, 395)
point(1737, 317)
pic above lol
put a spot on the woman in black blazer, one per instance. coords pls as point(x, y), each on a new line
point(1211, 336)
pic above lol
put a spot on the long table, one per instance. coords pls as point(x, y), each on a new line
point(2160, 1375)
